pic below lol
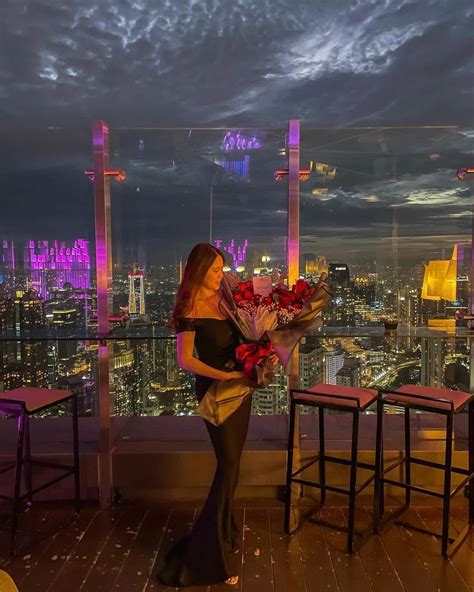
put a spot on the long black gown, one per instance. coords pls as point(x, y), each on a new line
point(207, 555)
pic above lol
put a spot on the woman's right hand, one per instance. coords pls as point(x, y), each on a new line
point(234, 375)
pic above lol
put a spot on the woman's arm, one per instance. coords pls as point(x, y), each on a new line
point(187, 361)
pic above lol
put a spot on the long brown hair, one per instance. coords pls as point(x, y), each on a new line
point(198, 264)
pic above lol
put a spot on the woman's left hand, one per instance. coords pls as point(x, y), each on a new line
point(274, 359)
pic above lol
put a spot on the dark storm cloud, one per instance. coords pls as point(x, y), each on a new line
point(191, 62)
point(196, 63)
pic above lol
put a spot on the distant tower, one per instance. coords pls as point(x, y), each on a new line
point(136, 294)
point(395, 257)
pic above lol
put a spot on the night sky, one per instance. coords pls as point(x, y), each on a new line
point(234, 65)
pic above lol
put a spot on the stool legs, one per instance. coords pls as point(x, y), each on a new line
point(322, 452)
point(75, 431)
point(378, 487)
point(27, 460)
point(18, 467)
point(353, 479)
point(471, 460)
point(289, 465)
point(447, 485)
point(407, 457)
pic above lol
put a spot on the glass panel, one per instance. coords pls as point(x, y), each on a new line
point(47, 281)
point(186, 186)
point(379, 206)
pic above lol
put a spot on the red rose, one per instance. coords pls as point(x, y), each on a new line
point(300, 287)
point(243, 286)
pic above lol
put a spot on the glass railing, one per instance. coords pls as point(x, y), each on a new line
point(379, 204)
point(146, 379)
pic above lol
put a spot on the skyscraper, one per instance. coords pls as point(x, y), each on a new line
point(333, 362)
point(136, 294)
point(349, 374)
point(50, 264)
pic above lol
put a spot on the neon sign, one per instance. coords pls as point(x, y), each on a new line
point(238, 141)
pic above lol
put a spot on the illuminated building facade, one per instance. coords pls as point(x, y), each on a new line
point(238, 252)
point(51, 264)
point(136, 294)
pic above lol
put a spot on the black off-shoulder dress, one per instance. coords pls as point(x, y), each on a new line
point(208, 555)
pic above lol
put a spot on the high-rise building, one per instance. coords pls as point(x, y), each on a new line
point(34, 363)
point(432, 362)
point(127, 399)
point(349, 374)
point(333, 362)
point(311, 365)
point(339, 276)
point(314, 264)
point(31, 311)
point(50, 264)
point(273, 399)
point(238, 252)
point(136, 294)
point(7, 313)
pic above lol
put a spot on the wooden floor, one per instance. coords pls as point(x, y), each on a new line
point(115, 551)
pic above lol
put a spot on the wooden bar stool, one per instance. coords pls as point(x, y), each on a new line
point(345, 399)
point(447, 403)
point(22, 403)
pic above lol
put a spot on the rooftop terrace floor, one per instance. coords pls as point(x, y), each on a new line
point(115, 550)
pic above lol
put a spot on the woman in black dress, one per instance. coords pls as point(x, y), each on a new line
point(209, 554)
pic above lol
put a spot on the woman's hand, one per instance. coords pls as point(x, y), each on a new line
point(274, 359)
point(234, 375)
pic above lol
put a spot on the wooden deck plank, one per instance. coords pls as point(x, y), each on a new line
point(90, 544)
point(57, 553)
point(286, 557)
point(319, 572)
point(409, 566)
point(258, 569)
point(106, 569)
point(45, 525)
point(349, 569)
point(137, 567)
point(379, 568)
point(463, 559)
point(442, 571)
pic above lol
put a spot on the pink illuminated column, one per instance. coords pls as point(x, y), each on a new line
point(100, 140)
point(293, 200)
point(293, 266)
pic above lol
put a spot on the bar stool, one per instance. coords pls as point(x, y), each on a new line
point(434, 400)
point(339, 398)
point(22, 403)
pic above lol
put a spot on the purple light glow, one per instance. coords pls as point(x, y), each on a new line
point(239, 252)
point(69, 263)
point(238, 141)
point(238, 167)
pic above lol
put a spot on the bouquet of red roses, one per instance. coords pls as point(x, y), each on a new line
point(270, 322)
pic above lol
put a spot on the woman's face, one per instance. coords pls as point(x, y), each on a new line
point(213, 278)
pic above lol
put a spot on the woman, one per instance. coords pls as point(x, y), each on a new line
point(208, 555)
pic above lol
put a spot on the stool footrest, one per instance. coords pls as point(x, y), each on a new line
point(393, 466)
point(460, 485)
point(319, 486)
point(363, 485)
point(9, 467)
point(52, 465)
point(29, 494)
point(412, 487)
point(307, 465)
point(436, 465)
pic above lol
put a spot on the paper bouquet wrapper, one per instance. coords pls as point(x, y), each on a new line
point(224, 397)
